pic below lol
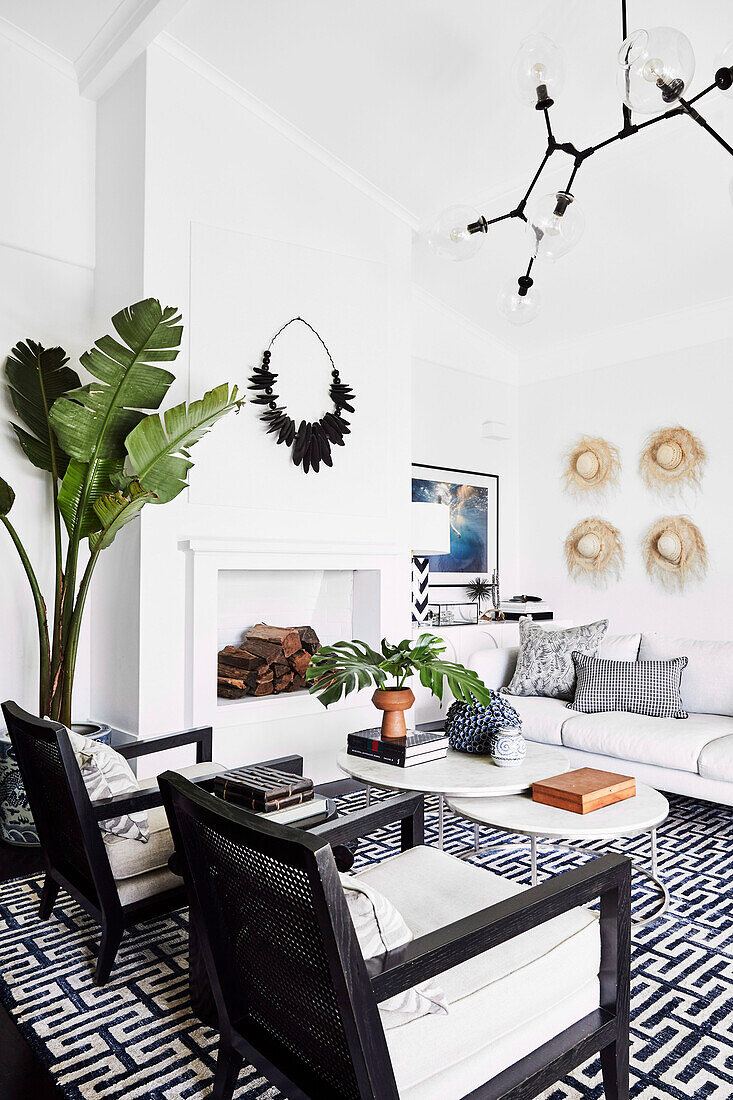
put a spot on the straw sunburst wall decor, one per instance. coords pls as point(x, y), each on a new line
point(674, 552)
point(591, 467)
point(672, 460)
point(594, 552)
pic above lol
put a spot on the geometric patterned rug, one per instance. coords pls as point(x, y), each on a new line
point(137, 1039)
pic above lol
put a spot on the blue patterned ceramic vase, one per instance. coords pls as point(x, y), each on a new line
point(508, 748)
point(471, 727)
point(16, 821)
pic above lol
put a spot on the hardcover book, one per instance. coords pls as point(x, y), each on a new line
point(417, 747)
point(262, 789)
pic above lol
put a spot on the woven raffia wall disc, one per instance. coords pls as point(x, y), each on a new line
point(675, 553)
point(591, 466)
point(672, 460)
point(594, 552)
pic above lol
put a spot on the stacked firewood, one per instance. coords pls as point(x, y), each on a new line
point(270, 660)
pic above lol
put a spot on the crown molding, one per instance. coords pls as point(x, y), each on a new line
point(130, 29)
point(38, 49)
point(665, 333)
point(292, 133)
point(501, 360)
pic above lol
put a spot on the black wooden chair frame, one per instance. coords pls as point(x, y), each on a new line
point(96, 890)
point(360, 985)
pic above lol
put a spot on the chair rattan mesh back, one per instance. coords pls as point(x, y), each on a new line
point(55, 810)
point(259, 892)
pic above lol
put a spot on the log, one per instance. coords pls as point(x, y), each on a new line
point(282, 683)
point(299, 661)
point(267, 651)
point(239, 657)
point(264, 689)
point(264, 674)
point(234, 672)
point(230, 689)
point(309, 640)
point(285, 636)
point(298, 683)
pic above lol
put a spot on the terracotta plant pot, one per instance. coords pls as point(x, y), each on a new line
point(394, 702)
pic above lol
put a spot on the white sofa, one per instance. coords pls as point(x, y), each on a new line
point(692, 756)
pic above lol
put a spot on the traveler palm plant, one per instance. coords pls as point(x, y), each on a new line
point(107, 453)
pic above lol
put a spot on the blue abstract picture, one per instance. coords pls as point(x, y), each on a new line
point(469, 510)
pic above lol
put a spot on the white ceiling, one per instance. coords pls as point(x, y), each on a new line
point(415, 95)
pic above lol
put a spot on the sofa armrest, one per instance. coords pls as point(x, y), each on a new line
point(495, 666)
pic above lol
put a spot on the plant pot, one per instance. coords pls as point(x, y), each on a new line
point(16, 820)
point(394, 702)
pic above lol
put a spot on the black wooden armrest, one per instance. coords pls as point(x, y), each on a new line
point(407, 808)
point(200, 737)
point(137, 801)
point(607, 878)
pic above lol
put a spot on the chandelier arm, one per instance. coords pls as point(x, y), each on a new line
point(626, 111)
point(519, 209)
point(703, 92)
point(548, 124)
point(697, 117)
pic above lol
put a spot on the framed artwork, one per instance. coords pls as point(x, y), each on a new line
point(473, 499)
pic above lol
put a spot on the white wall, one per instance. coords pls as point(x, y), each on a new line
point(460, 379)
point(46, 261)
point(624, 402)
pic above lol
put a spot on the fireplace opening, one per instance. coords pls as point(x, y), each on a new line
point(270, 660)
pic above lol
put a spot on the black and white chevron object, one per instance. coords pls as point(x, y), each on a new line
point(420, 586)
point(137, 1039)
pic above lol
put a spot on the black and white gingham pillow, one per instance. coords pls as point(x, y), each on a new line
point(640, 687)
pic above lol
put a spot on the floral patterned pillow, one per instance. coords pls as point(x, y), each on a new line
point(545, 663)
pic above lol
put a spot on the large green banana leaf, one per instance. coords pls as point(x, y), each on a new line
point(7, 497)
point(114, 511)
point(159, 445)
point(93, 421)
point(37, 376)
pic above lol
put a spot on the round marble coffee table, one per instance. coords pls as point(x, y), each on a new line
point(549, 825)
point(458, 775)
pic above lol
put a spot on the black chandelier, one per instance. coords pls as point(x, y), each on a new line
point(656, 67)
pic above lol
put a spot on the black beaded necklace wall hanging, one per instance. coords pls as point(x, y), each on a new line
point(310, 441)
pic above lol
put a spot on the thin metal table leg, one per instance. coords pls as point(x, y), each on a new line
point(441, 813)
point(533, 849)
point(655, 872)
point(368, 790)
point(475, 839)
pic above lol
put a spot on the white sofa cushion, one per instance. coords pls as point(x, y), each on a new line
point(545, 665)
point(620, 647)
point(666, 742)
point(505, 1002)
point(716, 759)
point(707, 682)
point(542, 718)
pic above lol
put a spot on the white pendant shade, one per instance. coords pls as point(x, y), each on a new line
point(430, 528)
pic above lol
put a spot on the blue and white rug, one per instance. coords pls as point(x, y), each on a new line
point(137, 1038)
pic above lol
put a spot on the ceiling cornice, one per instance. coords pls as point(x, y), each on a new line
point(237, 92)
point(38, 49)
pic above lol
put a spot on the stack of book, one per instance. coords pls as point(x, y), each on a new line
point(520, 606)
point(404, 752)
point(263, 790)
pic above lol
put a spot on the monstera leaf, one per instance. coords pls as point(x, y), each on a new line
point(464, 684)
point(37, 376)
point(114, 511)
point(159, 446)
point(339, 669)
point(7, 497)
point(93, 421)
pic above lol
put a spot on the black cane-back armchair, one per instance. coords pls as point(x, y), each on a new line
point(118, 881)
point(536, 984)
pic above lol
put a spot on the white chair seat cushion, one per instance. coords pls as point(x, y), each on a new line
point(502, 1004)
point(141, 870)
point(666, 742)
point(716, 759)
point(542, 718)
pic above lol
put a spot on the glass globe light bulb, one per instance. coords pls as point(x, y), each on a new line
point(555, 224)
point(538, 71)
point(518, 308)
point(450, 237)
point(656, 68)
point(724, 60)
